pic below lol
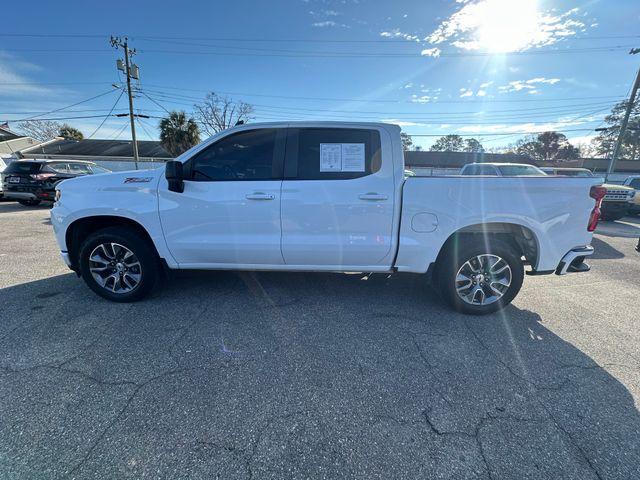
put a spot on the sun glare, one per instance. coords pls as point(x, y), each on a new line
point(507, 25)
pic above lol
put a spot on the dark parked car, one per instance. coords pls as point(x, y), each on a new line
point(33, 181)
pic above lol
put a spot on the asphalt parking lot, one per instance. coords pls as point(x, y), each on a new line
point(282, 375)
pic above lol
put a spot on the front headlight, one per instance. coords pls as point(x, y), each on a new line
point(58, 195)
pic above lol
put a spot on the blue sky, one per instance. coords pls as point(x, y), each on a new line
point(489, 67)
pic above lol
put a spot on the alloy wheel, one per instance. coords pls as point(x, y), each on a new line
point(483, 279)
point(115, 268)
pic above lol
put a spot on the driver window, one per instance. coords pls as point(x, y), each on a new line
point(247, 155)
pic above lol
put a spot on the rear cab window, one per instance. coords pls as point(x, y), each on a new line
point(332, 153)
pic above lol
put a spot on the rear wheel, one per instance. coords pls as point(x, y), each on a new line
point(118, 265)
point(477, 276)
point(29, 203)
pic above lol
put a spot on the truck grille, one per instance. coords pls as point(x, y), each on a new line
point(617, 195)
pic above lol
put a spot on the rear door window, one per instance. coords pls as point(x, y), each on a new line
point(79, 168)
point(332, 153)
point(58, 167)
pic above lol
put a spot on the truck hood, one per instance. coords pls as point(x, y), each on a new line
point(613, 186)
point(129, 180)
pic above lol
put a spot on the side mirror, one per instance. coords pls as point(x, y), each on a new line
point(174, 175)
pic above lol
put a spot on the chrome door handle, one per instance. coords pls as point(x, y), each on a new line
point(259, 196)
point(373, 197)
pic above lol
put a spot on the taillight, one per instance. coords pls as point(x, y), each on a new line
point(41, 176)
point(597, 193)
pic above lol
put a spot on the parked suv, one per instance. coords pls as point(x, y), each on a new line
point(634, 182)
point(33, 181)
point(616, 204)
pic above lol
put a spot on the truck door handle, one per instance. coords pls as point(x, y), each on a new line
point(259, 196)
point(372, 197)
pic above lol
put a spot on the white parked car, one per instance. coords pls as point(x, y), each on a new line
point(322, 197)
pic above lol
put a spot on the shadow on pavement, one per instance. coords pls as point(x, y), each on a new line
point(605, 251)
point(9, 207)
point(628, 227)
point(274, 375)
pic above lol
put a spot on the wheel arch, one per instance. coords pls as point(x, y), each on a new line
point(522, 238)
point(79, 229)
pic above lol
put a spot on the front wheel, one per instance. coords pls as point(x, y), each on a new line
point(118, 265)
point(480, 275)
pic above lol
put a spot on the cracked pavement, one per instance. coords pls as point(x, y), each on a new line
point(292, 375)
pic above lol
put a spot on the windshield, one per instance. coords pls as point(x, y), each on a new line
point(520, 170)
point(99, 169)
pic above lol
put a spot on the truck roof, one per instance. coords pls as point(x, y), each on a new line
point(325, 123)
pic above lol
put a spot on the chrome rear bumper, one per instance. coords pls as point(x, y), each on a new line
point(574, 261)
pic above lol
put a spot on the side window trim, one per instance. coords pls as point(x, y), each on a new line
point(278, 156)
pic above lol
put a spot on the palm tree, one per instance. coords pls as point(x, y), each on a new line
point(178, 133)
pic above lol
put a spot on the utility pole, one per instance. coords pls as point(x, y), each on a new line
point(129, 71)
point(625, 120)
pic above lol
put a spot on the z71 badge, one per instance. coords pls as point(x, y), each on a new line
point(138, 179)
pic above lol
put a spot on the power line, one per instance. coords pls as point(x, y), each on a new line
point(260, 40)
point(72, 105)
point(144, 128)
point(108, 114)
point(569, 108)
point(335, 99)
point(496, 133)
point(256, 52)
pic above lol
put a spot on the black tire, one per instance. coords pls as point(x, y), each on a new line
point(29, 203)
point(144, 252)
point(465, 249)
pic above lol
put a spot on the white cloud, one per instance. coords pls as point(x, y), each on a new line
point(532, 85)
point(423, 98)
point(395, 33)
point(15, 83)
point(504, 26)
point(431, 52)
point(466, 92)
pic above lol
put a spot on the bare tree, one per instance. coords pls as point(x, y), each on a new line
point(217, 113)
point(40, 129)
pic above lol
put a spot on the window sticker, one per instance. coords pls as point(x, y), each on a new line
point(353, 157)
point(330, 157)
point(342, 157)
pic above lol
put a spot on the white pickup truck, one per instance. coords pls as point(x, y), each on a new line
point(322, 196)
